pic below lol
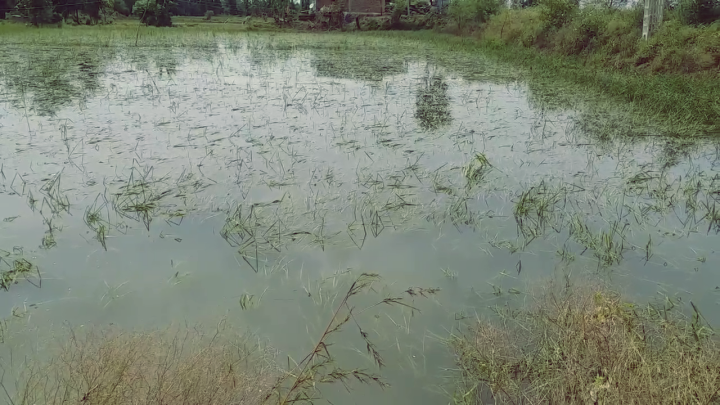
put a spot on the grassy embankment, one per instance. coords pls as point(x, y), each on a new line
point(586, 345)
point(673, 78)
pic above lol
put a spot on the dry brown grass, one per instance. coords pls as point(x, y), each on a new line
point(589, 346)
point(183, 366)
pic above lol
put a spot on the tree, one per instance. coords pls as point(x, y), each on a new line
point(38, 11)
point(229, 7)
point(5, 7)
point(154, 12)
point(699, 12)
point(524, 3)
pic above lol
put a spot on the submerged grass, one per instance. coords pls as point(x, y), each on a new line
point(13, 267)
point(585, 344)
point(302, 382)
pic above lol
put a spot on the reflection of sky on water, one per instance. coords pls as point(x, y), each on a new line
point(339, 154)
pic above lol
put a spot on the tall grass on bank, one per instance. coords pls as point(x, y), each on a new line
point(600, 37)
point(183, 367)
point(681, 104)
point(675, 73)
point(587, 345)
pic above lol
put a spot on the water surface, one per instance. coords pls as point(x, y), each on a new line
point(156, 185)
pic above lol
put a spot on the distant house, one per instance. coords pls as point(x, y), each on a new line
point(356, 6)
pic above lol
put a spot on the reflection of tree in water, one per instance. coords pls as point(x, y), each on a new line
point(432, 104)
point(45, 81)
point(166, 63)
point(369, 66)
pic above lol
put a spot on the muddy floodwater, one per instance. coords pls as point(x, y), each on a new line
point(252, 177)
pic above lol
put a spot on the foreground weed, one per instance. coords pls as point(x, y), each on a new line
point(587, 345)
point(179, 365)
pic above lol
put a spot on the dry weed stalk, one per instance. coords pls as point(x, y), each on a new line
point(318, 366)
point(186, 367)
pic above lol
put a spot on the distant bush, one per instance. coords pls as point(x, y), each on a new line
point(473, 12)
point(154, 13)
point(557, 13)
point(398, 9)
point(209, 14)
point(229, 7)
point(583, 32)
point(699, 12)
point(524, 3)
point(37, 11)
point(121, 7)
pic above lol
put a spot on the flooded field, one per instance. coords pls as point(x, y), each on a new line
point(252, 178)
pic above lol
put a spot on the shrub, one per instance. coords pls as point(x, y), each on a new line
point(229, 7)
point(523, 3)
point(372, 24)
point(38, 11)
point(155, 13)
point(513, 26)
point(121, 7)
point(398, 9)
point(557, 13)
point(587, 345)
point(164, 367)
point(583, 31)
point(209, 14)
point(473, 12)
point(698, 12)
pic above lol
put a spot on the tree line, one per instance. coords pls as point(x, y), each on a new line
point(151, 12)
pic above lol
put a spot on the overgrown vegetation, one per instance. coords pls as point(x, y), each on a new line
point(610, 38)
point(153, 12)
point(698, 12)
point(40, 12)
point(674, 73)
point(182, 366)
point(588, 345)
point(466, 12)
point(187, 366)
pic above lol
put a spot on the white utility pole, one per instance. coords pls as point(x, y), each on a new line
point(653, 17)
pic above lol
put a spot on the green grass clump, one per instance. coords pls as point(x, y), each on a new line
point(587, 345)
point(13, 267)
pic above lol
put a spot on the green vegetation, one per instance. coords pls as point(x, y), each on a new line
point(654, 87)
point(699, 12)
point(400, 151)
point(602, 38)
point(467, 12)
point(13, 267)
point(155, 13)
point(588, 345)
